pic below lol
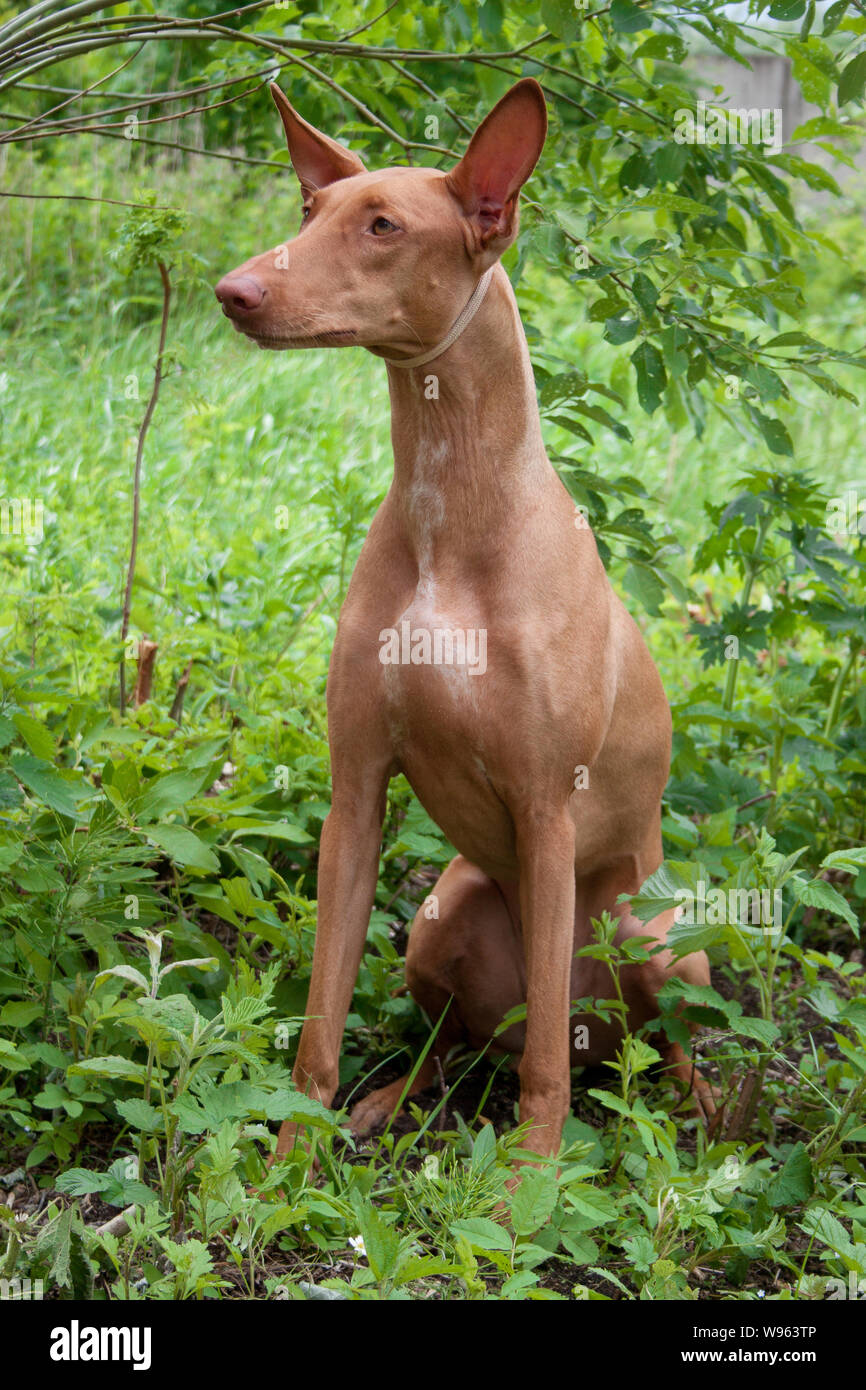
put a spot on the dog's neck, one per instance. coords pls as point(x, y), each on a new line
point(468, 451)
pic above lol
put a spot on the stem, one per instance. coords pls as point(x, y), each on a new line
point(147, 1085)
point(854, 1100)
point(753, 562)
point(136, 486)
point(759, 977)
point(839, 686)
point(52, 961)
point(10, 1255)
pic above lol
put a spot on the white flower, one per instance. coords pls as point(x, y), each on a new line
point(357, 1244)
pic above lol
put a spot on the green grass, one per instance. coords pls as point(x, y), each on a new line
point(221, 581)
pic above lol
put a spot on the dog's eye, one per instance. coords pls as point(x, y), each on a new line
point(305, 212)
point(381, 227)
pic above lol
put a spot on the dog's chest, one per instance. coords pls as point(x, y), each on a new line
point(434, 659)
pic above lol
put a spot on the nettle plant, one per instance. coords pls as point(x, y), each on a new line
point(775, 732)
point(204, 1080)
point(744, 908)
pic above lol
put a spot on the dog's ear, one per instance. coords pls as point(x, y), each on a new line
point(502, 154)
point(317, 159)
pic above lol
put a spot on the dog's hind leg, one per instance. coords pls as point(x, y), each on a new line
point(463, 967)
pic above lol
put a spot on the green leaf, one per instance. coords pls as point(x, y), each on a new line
point(768, 385)
point(241, 895)
point(292, 1105)
point(645, 292)
point(641, 1253)
point(50, 1097)
point(534, 1200)
point(45, 781)
point(483, 1149)
point(627, 18)
point(795, 1182)
point(853, 80)
point(645, 585)
point(651, 375)
point(582, 1248)
point(673, 202)
point(560, 17)
point(35, 735)
point(183, 846)
point(482, 1233)
point(139, 1114)
point(174, 1011)
point(213, 1105)
point(518, 1283)
point(423, 1267)
point(123, 972)
point(748, 1026)
point(817, 893)
point(272, 830)
point(618, 331)
point(19, 1012)
point(637, 172)
point(381, 1241)
point(670, 161)
point(193, 963)
point(78, 1182)
point(63, 1239)
point(593, 1206)
point(664, 888)
point(775, 435)
point(130, 1192)
point(833, 17)
point(169, 792)
point(490, 17)
point(120, 1068)
point(852, 859)
point(668, 46)
point(824, 1226)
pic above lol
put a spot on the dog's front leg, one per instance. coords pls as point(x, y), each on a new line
point(545, 849)
point(348, 872)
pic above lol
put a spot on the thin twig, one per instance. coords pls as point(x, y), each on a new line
point(370, 22)
point(89, 198)
point(136, 486)
point(37, 120)
point(176, 711)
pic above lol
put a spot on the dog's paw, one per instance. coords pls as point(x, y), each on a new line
point(376, 1109)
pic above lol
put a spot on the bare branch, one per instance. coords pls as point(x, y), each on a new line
point(88, 198)
point(136, 482)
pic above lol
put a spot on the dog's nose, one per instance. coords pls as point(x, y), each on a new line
point(239, 293)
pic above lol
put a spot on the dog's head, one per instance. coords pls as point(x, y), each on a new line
point(387, 260)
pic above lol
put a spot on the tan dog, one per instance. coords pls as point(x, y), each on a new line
point(476, 548)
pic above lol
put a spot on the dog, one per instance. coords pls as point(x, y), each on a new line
point(546, 768)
